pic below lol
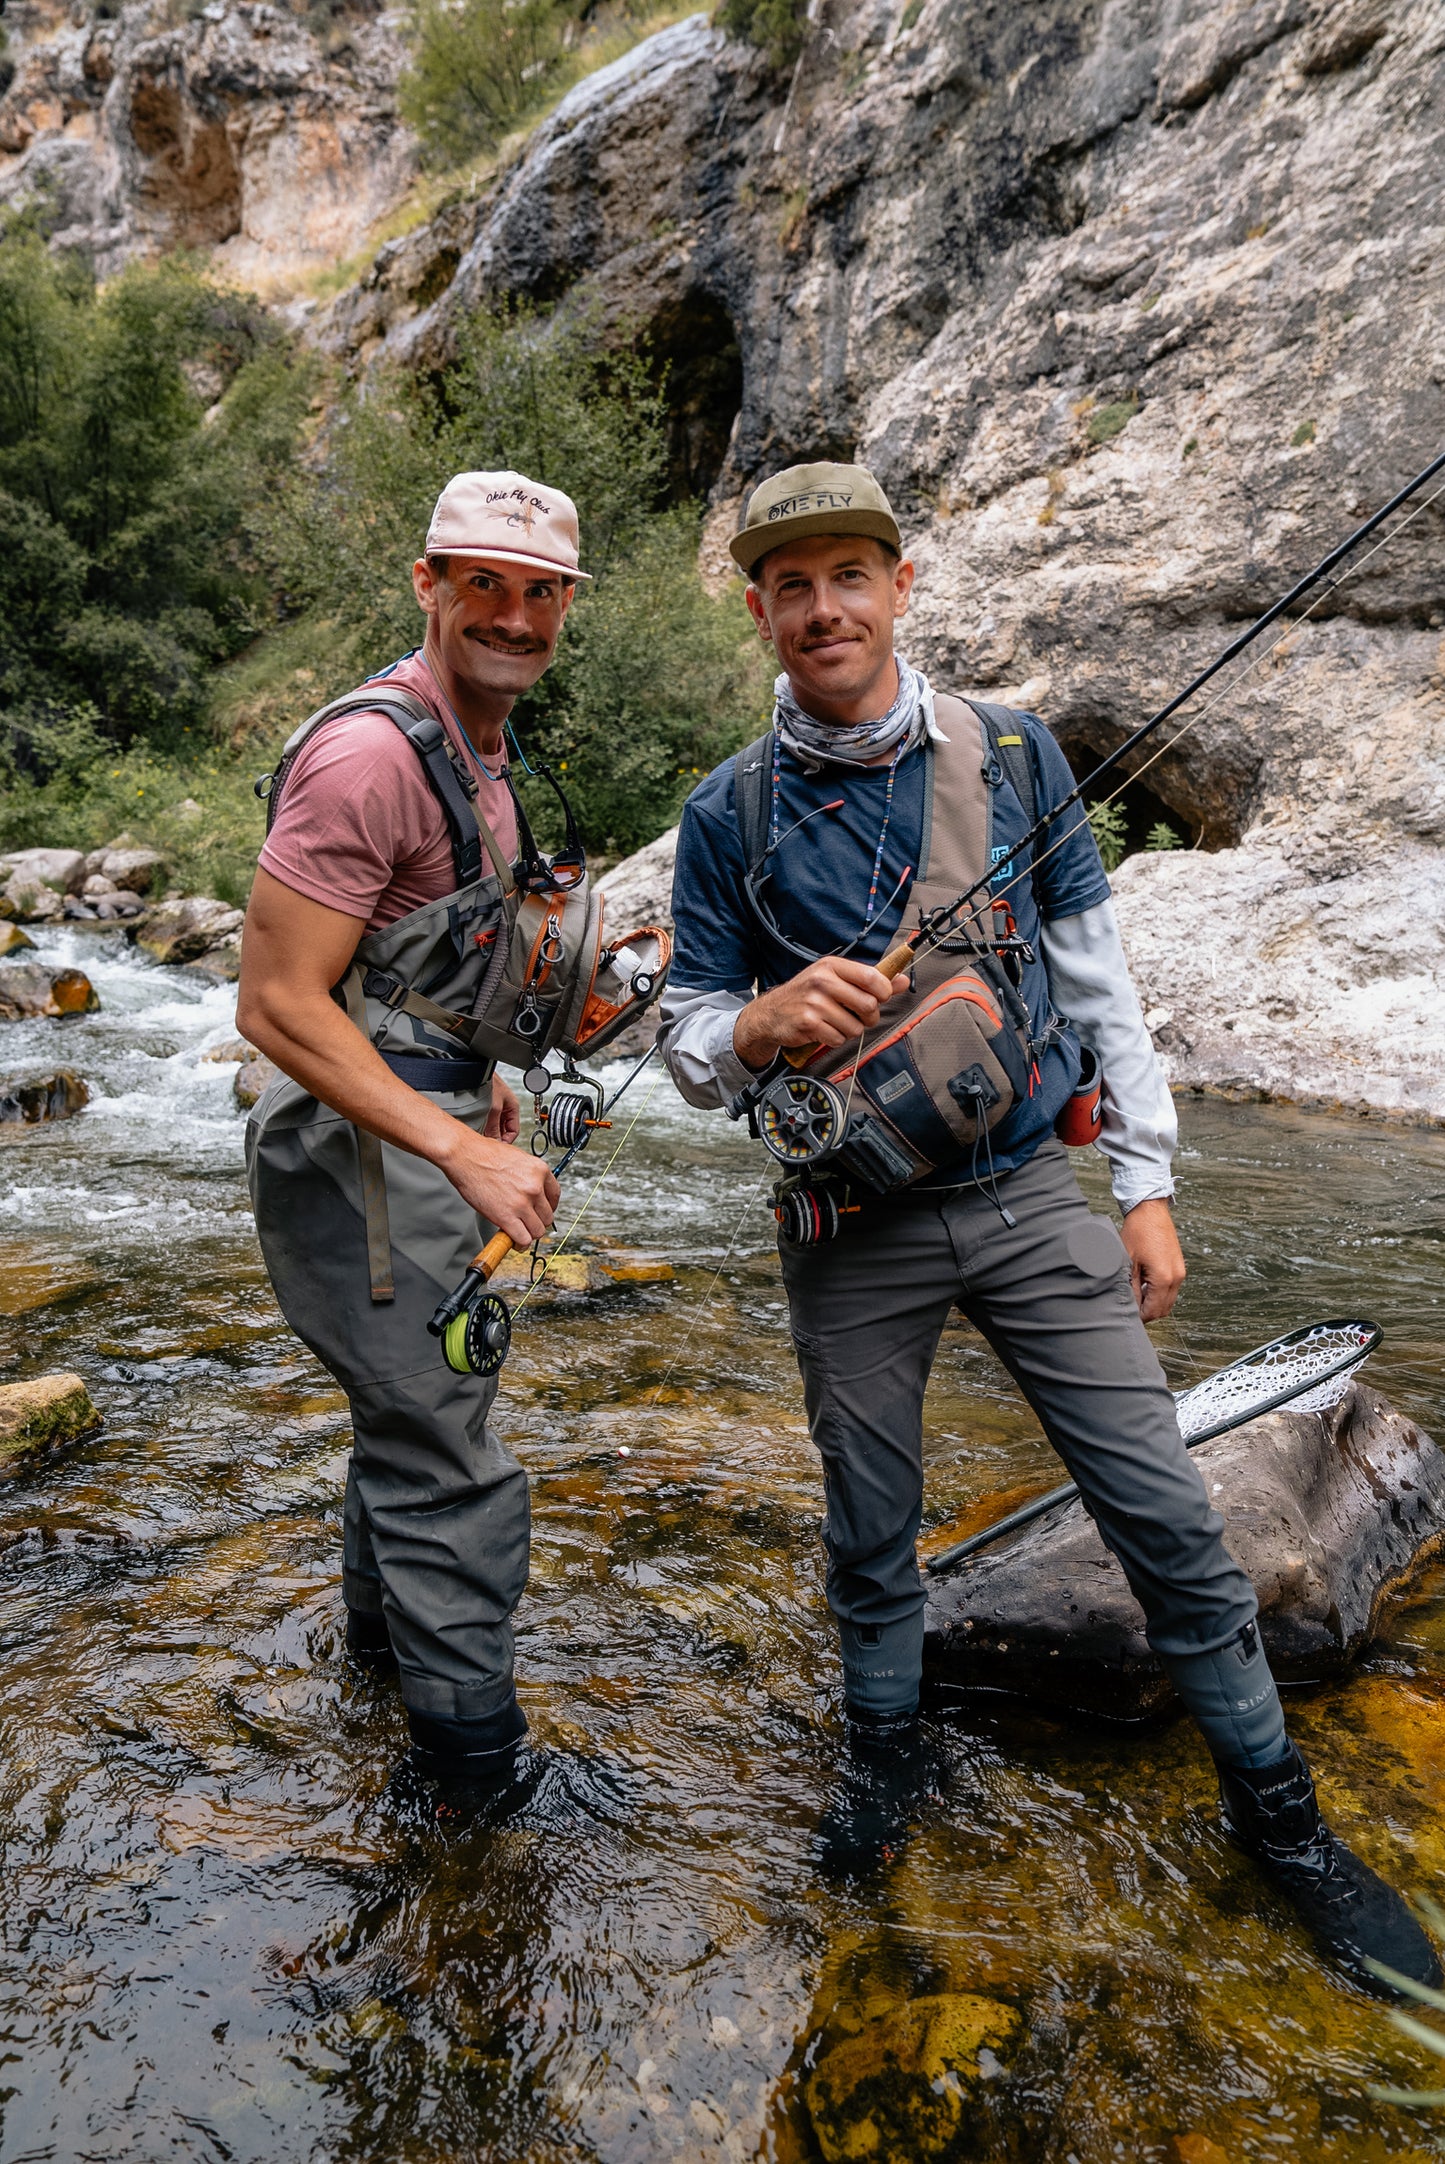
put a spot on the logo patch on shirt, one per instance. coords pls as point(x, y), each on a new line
point(896, 1086)
point(1001, 870)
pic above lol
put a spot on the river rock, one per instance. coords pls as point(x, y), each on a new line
point(29, 989)
point(41, 1414)
point(639, 889)
point(189, 929)
point(1329, 1513)
point(130, 868)
point(61, 869)
point(255, 1075)
point(33, 1099)
point(30, 901)
point(13, 940)
point(909, 2085)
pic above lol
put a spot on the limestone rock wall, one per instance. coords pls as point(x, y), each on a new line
point(268, 137)
point(1135, 305)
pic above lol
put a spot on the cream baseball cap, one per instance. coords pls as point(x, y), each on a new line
point(805, 500)
point(506, 516)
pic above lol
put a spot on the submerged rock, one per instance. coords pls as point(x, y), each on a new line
point(41, 1414)
point(907, 2086)
point(1329, 1513)
point(30, 989)
point(36, 1098)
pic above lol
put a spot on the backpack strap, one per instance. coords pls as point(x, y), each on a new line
point(429, 740)
point(1010, 758)
point(752, 784)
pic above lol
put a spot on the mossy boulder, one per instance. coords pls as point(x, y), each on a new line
point(912, 2085)
point(41, 1414)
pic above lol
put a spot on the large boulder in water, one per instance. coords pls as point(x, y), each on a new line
point(29, 989)
point(28, 1100)
point(192, 928)
point(1329, 1513)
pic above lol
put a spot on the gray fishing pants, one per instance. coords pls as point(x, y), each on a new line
point(437, 1518)
point(1052, 1296)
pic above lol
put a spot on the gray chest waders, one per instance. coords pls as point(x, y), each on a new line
point(510, 966)
point(948, 1062)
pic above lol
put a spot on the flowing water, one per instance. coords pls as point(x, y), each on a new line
point(231, 1928)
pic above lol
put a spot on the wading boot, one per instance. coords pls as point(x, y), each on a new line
point(367, 1637)
point(894, 1768)
point(473, 1763)
point(1353, 1916)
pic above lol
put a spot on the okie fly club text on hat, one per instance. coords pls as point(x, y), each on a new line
point(803, 501)
point(507, 518)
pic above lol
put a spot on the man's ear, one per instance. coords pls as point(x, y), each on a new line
point(902, 586)
point(758, 610)
point(424, 586)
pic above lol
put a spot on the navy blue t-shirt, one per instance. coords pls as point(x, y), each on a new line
point(819, 894)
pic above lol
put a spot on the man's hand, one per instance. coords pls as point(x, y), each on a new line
point(829, 1003)
point(504, 1121)
point(1155, 1256)
point(294, 951)
point(517, 1191)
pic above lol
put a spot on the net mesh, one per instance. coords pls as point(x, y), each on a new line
point(1311, 1369)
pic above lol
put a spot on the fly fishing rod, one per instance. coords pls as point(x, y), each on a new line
point(936, 925)
point(474, 1325)
point(1306, 1369)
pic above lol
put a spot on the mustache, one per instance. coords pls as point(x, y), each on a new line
point(500, 644)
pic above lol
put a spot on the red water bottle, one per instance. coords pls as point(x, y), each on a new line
point(1079, 1123)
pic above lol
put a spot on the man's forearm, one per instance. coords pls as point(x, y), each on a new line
point(315, 1043)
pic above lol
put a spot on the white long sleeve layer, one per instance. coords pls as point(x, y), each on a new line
point(1089, 983)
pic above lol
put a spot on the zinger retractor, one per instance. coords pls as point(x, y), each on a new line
point(477, 1341)
point(801, 1118)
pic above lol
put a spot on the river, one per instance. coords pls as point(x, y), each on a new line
point(233, 1930)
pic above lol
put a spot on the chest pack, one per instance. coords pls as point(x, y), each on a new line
point(948, 1061)
point(515, 962)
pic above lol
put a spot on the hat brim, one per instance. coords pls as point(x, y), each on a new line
point(509, 556)
point(749, 547)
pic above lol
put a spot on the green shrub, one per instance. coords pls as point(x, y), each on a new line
point(1162, 836)
point(480, 68)
point(778, 27)
point(1107, 422)
point(1109, 825)
point(135, 423)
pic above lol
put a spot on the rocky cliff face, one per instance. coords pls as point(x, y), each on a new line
point(1134, 305)
point(268, 137)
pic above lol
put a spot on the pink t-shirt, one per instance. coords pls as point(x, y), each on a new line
point(358, 827)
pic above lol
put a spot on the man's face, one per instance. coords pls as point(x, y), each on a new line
point(495, 624)
point(829, 604)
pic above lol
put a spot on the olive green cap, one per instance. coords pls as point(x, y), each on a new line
point(804, 500)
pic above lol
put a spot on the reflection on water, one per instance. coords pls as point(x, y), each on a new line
point(231, 1930)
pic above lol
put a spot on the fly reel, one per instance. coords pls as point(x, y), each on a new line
point(477, 1341)
point(807, 1216)
point(801, 1119)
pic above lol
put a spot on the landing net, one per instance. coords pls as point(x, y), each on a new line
point(1309, 1370)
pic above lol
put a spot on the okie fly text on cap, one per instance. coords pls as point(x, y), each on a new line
point(805, 500)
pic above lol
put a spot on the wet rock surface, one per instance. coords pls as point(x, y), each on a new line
point(909, 2084)
point(13, 940)
point(1330, 1514)
point(42, 1414)
point(33, 989)
point(30, 1100)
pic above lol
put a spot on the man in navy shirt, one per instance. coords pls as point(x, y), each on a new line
point(776, 949)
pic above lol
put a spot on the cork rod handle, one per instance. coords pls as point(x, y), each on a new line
point(893, 964)
point(493, 1255)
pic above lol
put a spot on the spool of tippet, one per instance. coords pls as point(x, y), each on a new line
point(1082, 1117)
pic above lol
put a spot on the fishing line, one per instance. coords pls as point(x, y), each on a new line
point(1224, 692)
point(588, 1200)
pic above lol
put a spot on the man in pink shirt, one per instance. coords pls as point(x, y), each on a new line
point(381, 1160)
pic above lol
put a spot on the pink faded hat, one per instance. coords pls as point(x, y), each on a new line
point(509, 517)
